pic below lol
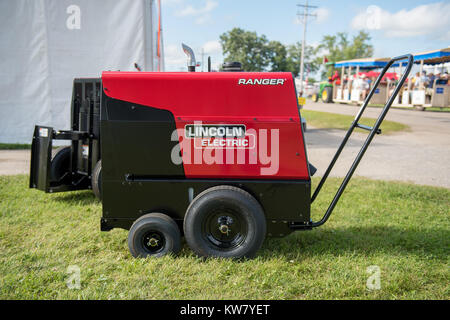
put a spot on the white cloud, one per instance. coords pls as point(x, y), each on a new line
point(174, 58)
point(431, 19)
point(191, 11)
point(212, 47)
point(203, 19)
point(322, 14)
point(202, 14)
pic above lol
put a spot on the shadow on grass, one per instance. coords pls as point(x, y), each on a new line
point(355, 241)
point(361, 241)
point(79, 197)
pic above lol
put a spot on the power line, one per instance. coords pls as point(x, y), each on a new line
point(304, 17)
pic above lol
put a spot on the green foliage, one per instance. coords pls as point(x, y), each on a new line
point(402, 228)
point(329, 120)
point(14, 146)
point(257, 53)
point(312, 64)
point(278, 56)
point(340, 47)
point(247, 48)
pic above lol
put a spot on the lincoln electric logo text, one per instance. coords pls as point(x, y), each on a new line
point(265, 82)
point(215, 131)
point(212, 135)
point(227, 144)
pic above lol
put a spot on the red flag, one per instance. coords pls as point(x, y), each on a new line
point(325, 60)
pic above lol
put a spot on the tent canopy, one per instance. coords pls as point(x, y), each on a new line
point(365, 63)
point(430, 57)
point(433, 57)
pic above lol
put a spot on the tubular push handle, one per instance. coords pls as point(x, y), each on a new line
point(373, 130)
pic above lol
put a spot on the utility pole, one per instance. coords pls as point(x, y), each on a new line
point(304, 17)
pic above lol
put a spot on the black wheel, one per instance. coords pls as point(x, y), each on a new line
point(225, 221)
point(327, 94)
point(60, 163)
point(96, 180)
point(154, 235)
point(315, 97)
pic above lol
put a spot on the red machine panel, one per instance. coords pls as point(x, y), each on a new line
point(230, 124)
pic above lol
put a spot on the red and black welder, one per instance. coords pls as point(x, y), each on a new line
point(218, 157)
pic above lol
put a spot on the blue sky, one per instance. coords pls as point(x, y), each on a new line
point(396, 27)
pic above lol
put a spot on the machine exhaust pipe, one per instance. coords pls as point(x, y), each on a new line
point(191, 57)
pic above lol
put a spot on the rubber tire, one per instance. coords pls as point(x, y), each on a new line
point(159, 222)
point(96, 180)
point(60, 163)
point(225, 196)
point(315, 97)
point(329, 98)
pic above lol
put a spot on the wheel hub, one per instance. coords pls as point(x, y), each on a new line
point(224, 229)
point(153, 242)
point(225, 223)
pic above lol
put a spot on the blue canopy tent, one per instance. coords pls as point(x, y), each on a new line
point(433, 57)
point(348, 94)
point(438, 94)
point(430, 57)
point(365, 63)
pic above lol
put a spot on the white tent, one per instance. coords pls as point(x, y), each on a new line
point(45, 44)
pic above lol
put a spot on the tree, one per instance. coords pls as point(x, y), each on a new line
point(256, 53)
point(338, 47)
point(278, 56)
point(246, 47)
point(310, 62)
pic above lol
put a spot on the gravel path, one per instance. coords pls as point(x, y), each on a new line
point(14, 162)
point(421, 156)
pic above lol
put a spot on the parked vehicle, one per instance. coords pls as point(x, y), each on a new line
point(324, 93)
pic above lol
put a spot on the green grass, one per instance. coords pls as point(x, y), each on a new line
point(431, 109)
point(14, 146)
point(328, 120)
point(437, 109)
point(402, 228)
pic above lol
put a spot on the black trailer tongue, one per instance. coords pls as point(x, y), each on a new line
point(71, 167)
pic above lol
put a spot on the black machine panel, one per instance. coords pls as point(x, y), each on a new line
point(125, 201)
point(136, 140)
point(138, 175)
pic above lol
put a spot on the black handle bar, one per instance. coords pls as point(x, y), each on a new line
point(373, 130)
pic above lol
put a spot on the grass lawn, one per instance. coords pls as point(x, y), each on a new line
point(14, 146)
point(431, 109)
point(329, 120)
point(401, 228)
point(437, 109)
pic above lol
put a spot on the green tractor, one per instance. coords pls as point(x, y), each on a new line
point(325, 92)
